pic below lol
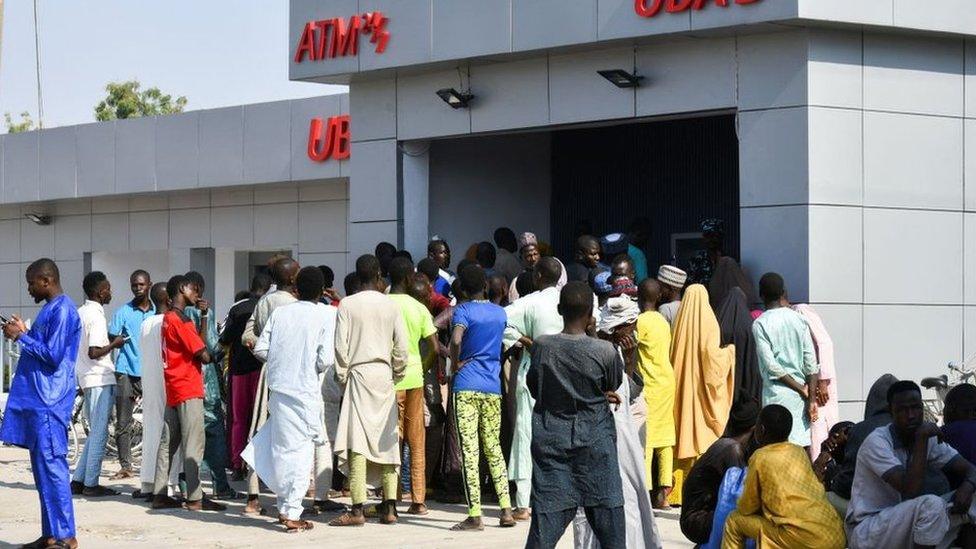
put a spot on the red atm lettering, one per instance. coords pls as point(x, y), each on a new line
point(345, 38)
point(338, 37)
point(329, 140)
point(650, 8)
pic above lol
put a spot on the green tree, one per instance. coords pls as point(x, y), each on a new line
point(26, 123)
point(126, 100)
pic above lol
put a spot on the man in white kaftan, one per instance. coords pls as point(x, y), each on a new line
point(296, 345)
point(154, 395)
point(529, 317)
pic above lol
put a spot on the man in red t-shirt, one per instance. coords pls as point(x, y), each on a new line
point(184, 353)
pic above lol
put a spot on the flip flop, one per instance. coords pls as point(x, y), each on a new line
point(464, 526)
point(347, 519)
point(302, 526)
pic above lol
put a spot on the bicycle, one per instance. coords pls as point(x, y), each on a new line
point(79, 425)
point(960, 374)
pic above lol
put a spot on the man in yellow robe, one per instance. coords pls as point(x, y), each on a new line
point(783, 505)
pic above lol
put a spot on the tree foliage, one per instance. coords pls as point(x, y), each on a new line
point(126, 100)
point(26, 123)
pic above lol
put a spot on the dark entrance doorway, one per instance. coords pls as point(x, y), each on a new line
point(673, 172)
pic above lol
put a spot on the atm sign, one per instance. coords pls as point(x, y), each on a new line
point(650, 8)
point(339, 37)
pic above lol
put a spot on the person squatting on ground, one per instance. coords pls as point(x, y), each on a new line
point(782, 503)
point(888, 507)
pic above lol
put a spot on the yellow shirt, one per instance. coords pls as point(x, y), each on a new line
point(781, 486)
point(654, 360)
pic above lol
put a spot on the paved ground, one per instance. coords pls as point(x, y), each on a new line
point(112, 522)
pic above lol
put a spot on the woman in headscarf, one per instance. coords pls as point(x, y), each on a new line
point(736, 325)
point(704, 373)
point(827, 412)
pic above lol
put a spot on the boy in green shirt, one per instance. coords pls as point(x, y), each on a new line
point(410, 390)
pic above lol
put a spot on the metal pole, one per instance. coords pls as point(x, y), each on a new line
point(37, 59)
point(1, 32)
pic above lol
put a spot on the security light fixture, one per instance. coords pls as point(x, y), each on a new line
point(39, 218)
point(621, 78)
point(454, 98)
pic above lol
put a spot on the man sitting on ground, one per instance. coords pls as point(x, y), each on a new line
point(888, 506)
point(960, 420)
point(700, 490)
point(782, 502)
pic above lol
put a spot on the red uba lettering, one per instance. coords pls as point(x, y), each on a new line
point(329, 139)
point(650, 8)
point(338, 37)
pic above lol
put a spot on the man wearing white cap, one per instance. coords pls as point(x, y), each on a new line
point(672, 281)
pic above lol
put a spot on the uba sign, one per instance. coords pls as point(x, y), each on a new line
point(329, 139)
point(650, 8)
point(338, 37)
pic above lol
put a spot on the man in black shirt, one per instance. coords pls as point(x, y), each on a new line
point(700, 492)
point(586, 258)
point(245, 371)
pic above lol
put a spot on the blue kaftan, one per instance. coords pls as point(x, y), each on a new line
point(38, 409)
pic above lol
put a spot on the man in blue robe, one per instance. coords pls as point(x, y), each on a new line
point(41, 396)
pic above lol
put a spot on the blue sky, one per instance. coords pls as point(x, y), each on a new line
point(215, 52)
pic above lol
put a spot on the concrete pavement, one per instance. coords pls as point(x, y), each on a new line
point(122, 521)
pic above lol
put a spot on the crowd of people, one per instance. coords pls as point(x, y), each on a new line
point(589, 391)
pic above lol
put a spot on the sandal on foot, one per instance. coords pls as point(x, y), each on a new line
point(165, 502)
point(465, 526)
point(507, 522)
point(329, 506)
point(417, 509)
point(122, 474)
point(348, 519)
point(38, 543)
point(388, 512)
point(204, 505)
point(99, 491)
point(296, 526)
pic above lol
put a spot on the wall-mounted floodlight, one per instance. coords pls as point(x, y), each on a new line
point(454, 98)
point(621, 78)
point(39, 218)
